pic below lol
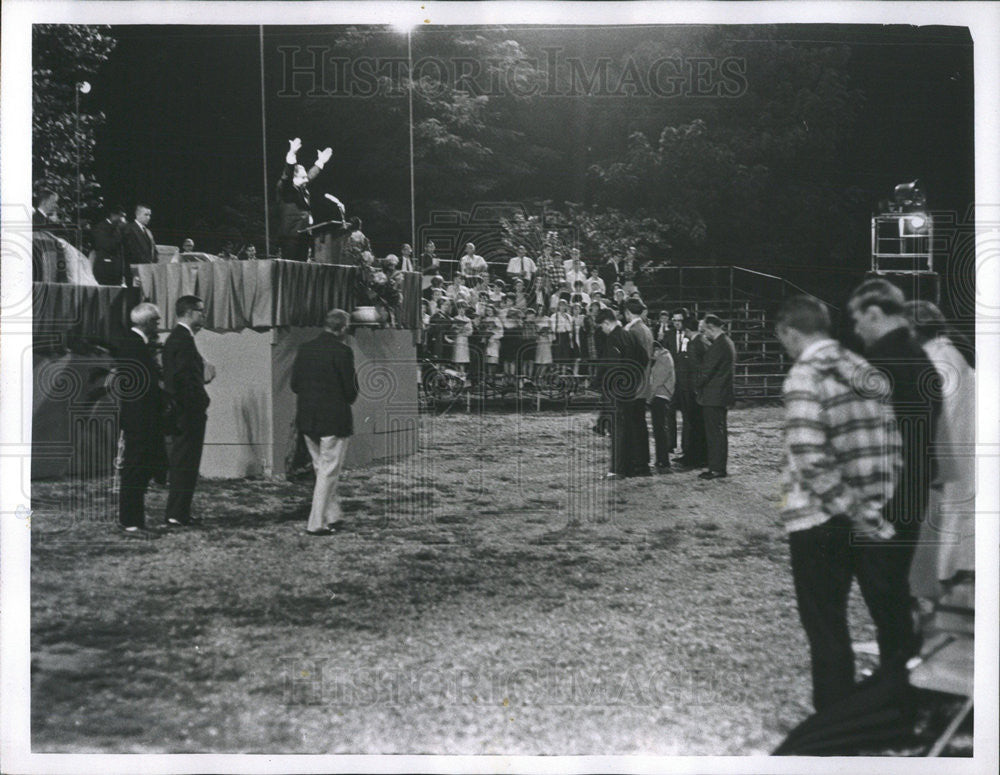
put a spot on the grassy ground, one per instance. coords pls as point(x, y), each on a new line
point(491, 594)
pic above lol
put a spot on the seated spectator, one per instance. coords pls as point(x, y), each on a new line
point(579, 295)
point(187, 246)
point(249, 253)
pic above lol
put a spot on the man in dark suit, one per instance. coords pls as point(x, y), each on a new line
point(43, 217)
point(688, 368)
point(185, 375)
point(639, 432)
point(294, 209)
point(141, 413)
point(110, 267)
point(608, 271)
point(715, 395)
point(323, 377)
point(621, 381)
point(877, 309)
point(138, 243)
point(671, 335)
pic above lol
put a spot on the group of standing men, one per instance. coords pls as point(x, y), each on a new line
point(686, 367)
point(117, 245)
point(162, 397)
point(859, 433)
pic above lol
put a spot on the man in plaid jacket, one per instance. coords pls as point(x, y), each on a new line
point(844, 458)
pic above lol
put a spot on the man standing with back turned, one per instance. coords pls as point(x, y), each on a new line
point(843, 456)
point(185, 375)
point(877, 309)
point(715, 395)
point(323, 377)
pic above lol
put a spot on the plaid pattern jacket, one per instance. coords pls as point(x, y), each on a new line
point(844, 450)
point(551, 273)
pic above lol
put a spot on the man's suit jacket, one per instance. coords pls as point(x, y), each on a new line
point(184, 374)
point(110, 266)
point(689, 364)
point(323, 377)
point(715, 383)
point(140, 398)
point(138, 245)
point(293, 202)
point(626, 358)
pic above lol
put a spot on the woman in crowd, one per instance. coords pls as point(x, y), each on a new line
point(588, 341)
point(562, 330)
point(543, 348)
point(438, 333)
point(511, 342)
point(493, 329)
point(947, 542)
point(530, 343)
point(520, 294)
point(462, 330)
point(577, 339)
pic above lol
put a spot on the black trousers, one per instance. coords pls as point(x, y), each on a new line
point(716, 437)
point(295, 247)
point(185, 459)
point(638, 437)
point(824, 561)
point(620, 438)
point(693, 445)
point(670, 422)
point(144, 457)
point(662, 413)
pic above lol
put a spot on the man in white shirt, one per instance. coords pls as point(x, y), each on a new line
point(575, 268)
point(521, 266)
point(594, 283)
point(472, 265)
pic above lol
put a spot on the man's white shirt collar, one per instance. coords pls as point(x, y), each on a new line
point(141, 333)
point(182, 323)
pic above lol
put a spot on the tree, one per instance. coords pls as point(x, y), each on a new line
point(63, 56)
point(750, 180)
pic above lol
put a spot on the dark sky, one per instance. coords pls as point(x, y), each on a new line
point(183, 113)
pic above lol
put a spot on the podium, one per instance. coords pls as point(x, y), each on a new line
point(329, 240)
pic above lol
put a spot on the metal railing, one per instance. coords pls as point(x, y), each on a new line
point(721, 285)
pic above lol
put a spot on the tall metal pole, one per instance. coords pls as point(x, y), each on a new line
point(263, 148)
point(413, 201)
point(76, 139)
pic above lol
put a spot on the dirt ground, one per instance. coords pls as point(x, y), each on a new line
point(491, 594)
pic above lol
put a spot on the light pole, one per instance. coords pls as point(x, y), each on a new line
point(83, 87)
point(408, 29)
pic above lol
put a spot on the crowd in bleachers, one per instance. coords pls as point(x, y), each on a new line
point(528, 317)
